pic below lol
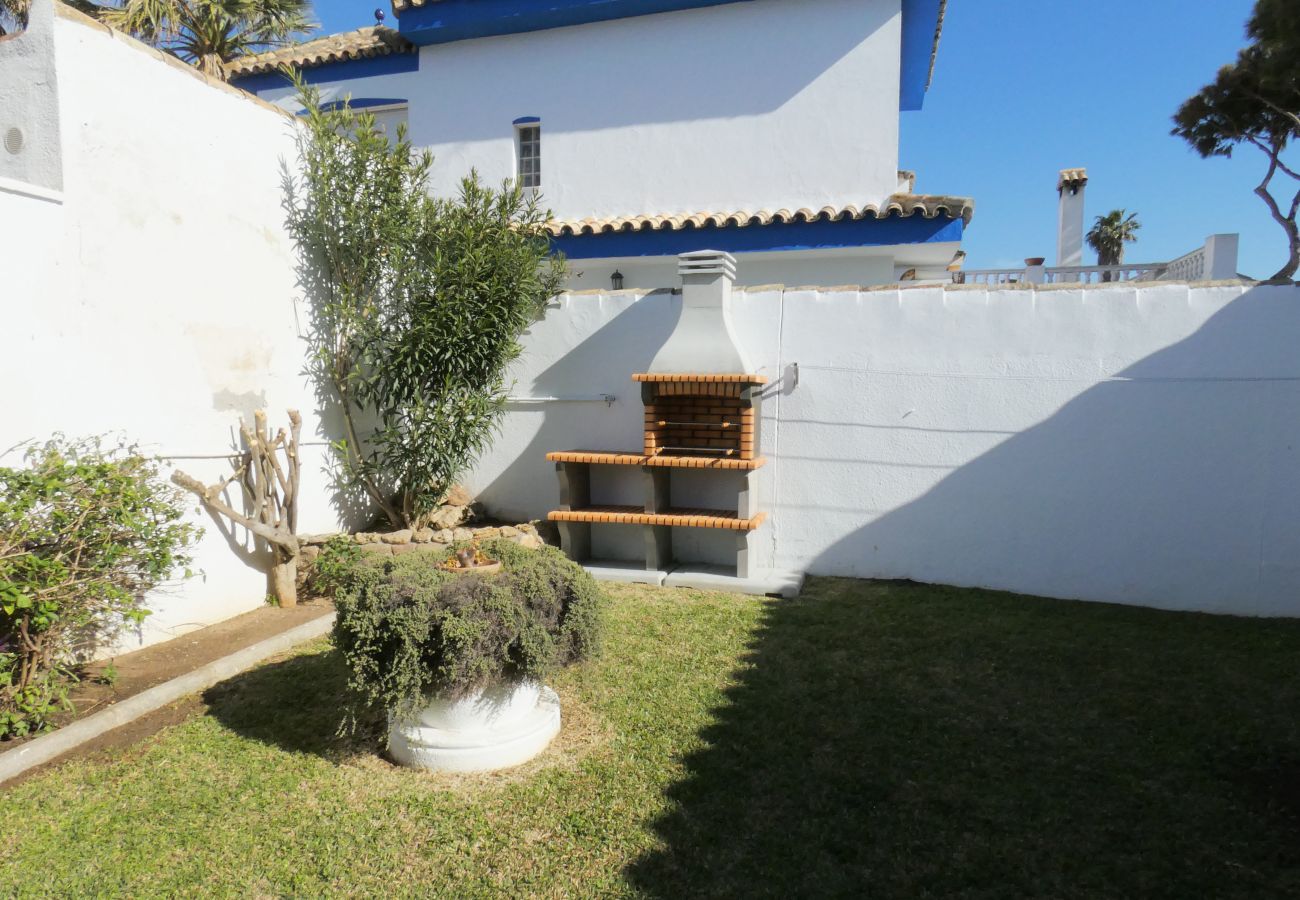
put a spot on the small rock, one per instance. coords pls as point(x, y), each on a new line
point(509, 531)
point(528, 528)
point(446, 536)
point(462, 534)
point(459, 495)
point(528, 541)
point(486, 534)
point(447, 517)
point(310, 553)
point(377, 549)
point(397, 537)
point(366, 537)
point(423, 536)
point(316, 540)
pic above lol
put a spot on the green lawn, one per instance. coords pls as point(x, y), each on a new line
point(873, 740)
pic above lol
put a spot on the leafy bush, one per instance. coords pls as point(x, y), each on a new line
point(85, 532)
point(417, 305)
point(409, 629)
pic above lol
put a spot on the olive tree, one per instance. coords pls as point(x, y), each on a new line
point(417, 304)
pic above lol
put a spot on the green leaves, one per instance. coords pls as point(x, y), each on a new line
point(86, 530)
point(408, 628)
point(1110, 233)
point(1256, 101)
point(417, 305)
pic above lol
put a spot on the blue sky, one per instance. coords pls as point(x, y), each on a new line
point(1024, 88)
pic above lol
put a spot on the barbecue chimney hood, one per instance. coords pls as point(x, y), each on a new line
point(703, 342)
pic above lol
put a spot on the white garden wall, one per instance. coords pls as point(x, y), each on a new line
point(154, 296)
point(1129, 444)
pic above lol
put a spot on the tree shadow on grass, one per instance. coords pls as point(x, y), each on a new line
point(902, 740)
point(296, 704)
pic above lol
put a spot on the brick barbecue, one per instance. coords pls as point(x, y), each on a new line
point(695, 418)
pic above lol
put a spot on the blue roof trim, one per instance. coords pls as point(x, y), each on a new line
point(459, 20)
point(343, 70)
point(778, 236)
point(920, 20)
point(527, 120)
point(363, 103)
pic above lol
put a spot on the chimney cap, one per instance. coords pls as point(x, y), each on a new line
point(1072, 179)
point(706, 262)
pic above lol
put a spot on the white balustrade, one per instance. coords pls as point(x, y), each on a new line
point(1216, 259)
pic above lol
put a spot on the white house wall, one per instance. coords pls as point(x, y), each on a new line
point(156, 297)
point(746, 106)
point(1132, 445)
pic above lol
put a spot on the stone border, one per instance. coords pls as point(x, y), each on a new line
point(49, 747)
point(395, 543)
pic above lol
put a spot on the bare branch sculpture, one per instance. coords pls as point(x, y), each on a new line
point(272, 488)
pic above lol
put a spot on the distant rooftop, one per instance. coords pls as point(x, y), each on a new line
point(364, 43)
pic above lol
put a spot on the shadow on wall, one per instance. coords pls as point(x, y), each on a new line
point(899, 740)
point(355, 508)
point(1174, 485)
point(623, 346)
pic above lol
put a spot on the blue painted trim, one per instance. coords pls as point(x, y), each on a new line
point(342, 70)
point(527, 120)
point(459, 20)
point(920, 19)
point(363, 103)
point(783, 236)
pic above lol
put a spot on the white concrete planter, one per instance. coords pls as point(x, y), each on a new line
point(494, 728)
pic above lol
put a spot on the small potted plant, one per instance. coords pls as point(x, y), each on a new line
point(464, 560)
point(458, 661)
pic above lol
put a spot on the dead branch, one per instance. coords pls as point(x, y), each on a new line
point(272, 490)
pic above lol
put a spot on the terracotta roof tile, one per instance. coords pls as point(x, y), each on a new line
point(363, 43)
point(927, 205)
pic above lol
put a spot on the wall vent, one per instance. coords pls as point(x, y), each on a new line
point(14, 140)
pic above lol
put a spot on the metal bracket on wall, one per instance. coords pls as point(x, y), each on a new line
point(607, 399)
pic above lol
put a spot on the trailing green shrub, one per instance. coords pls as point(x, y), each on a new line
point(409, 629)
point(85, 532)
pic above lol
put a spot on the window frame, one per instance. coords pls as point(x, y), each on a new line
point(528, 153)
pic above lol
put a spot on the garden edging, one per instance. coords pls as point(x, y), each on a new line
point(49, 747)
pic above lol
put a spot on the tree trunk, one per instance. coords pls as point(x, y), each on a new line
point(1287, 220)
point(1287, 272)
point(272, 490)
point(284, 581)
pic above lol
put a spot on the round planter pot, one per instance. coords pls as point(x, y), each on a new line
point(497, 727)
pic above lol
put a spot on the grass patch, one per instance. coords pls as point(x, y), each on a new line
point(869, 739)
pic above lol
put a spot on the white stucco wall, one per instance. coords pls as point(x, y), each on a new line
point(761, 105)
point(29, 108)
point(157, 299)
point(1125, 444)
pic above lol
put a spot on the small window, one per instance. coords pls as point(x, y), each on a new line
point(530, 155)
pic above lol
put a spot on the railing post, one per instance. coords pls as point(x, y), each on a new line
point(1220, 257)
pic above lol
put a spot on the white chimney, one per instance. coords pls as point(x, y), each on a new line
point(703, 341)
point(1069, 227)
